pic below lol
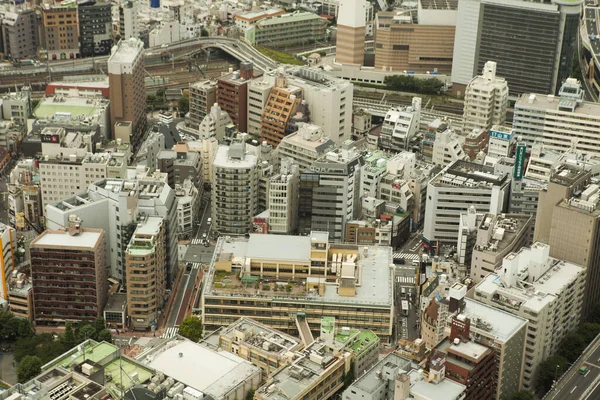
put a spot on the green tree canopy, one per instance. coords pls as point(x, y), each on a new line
point(29, 367)
point(551, 369)
point(105, 336)
point(522, 395)
point(191, 328)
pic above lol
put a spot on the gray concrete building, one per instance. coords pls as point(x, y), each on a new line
point(20, 36)
point(180, 164)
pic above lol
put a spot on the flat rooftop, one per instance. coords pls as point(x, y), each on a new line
point(505, 228)
point(87, 239)
point(500, 324)
point(223, 159)
point(549, 102)
point(467, 174)
point(116, 302)
point(60, 107)
point(126, 51)
point(256, 334)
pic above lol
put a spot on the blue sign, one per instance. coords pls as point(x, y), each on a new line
point(500, 135)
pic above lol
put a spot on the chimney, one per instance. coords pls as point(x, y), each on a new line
point(460, 329)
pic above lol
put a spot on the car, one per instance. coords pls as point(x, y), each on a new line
point(209, 221)
point(584, 369)
point(204, 235)
point(399, 261)
point(206, 244)
point(188, 267)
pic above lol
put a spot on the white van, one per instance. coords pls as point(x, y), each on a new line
point(208, 221)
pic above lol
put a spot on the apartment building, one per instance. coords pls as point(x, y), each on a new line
point(316, 286)
point(305, 146)
point(281, 105)
point(95, 28)
point(188, 208)
point(569, 121)
point(181, 164)
point(20, 294)
point(283, 195)
point(453, 190)
point(351, 32)
point(497, 236)
point(69, 274)
point(60, 31)
point(297, 28)
point(399, 126)
point(214, 125)
point(16, 106)
point(127, 89)
point(486, 100)
point(546, 291)
point(330, 193)
point(423, 44)
point(146, 266)
point(246, 20)
point(129, 27)
point(259, 91)
point(203, 95)
point(232, 95)
point(234, 189)
point(19, 34)
point(8, 246)
point(574, 233)
point(447, 148)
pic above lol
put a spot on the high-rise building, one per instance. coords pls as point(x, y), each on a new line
point(234, 189)
point(330, 193)
point(486, 100)
point(68, 269)
point(400, 125)
point(8, 247)
point(281, 104)
point(214, 124)
point(508, 33)
point(60, 31)
point(146, 264)
point(232, 95)
point(258, 93)
point(447, 148)
point(546, 291)
point(283, 194)
point(128, 20)
point(350, 39)
point(127, 89)
point(203, 95)
point(95, 28)
point(19, 34)
point(305, 146)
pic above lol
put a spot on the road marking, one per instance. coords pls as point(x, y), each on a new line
point(170, 332)
point(406, 256)
point(572, 390)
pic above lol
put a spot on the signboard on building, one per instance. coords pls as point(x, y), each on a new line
point(501, 135)
point(519, 161)
point(260, 225)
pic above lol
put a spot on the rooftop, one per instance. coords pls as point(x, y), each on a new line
point(467, 174)
point(439, 4)
point(69, 108)
point(87, 239)
point(261, 336)
point(116, 302)
point(497, 323)
point(550, 102)
point(126, 51)
point(288, 18)
point(500, 231)
point(223, 158)
point(256, 15)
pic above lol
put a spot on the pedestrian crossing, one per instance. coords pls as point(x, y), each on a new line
point(406, 256)
point(196, 265)
point(170, 332)
point(196, 241)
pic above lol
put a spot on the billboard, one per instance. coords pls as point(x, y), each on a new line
point(520, 161)
point(500, 135)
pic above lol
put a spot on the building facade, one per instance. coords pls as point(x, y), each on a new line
point(20, 34)
point(60, 31)
point(203, 95)
point(95, 28)
point(486, 100)
point(351, 32)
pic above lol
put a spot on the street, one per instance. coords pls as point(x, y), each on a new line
point(4, 200)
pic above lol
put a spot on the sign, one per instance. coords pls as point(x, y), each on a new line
point(50, 138)
point(500, 135)
point(519, 161)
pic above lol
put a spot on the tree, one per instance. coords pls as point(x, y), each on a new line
point(69, 336)
point(522, 395)
point(191, 328)
point(99, 325)
point(85, 332)
point(184, 104)
point(105, 336)
point(250, 394)
point(550, 370)
point(571, 346)
point(28, 368)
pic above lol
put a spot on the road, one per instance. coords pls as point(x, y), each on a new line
point(4, 201)
point(576, 386)
point(7, 368)
point(406, 319)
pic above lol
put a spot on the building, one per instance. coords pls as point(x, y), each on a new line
point(203, 95)
point(246, 20)
point(282, 103)
point(297, 28)
point(264, 347)
point(507, 33)
point(259, 91)
point(574, 233)
point(433, 322)
point(93, 86)
point(146, 266)
point(313, 269)
point(330, 193)
point(16, 106)
point(76, 259)
point(188, 208)
point(497, 236)
point(283, 196)
point(181, 164)
point(305, 146)
point(95, 28)
point(220, 375)
point(234, 189)
point(20, 294)
point(8, 246)
point(115, 311)
point(453, 190)
point(213, 126)
point(19, 34)
point(546, 291)
point(423, 43)
point(394, 377)
point(570, 122)
point(400, 125)
point(60, 31)
point(350, 37)
point(447, 148)
point(129, 26)
point(127, 90)
point(476, 143)
point(486, 100)
point(232, 95)
point(501, 142)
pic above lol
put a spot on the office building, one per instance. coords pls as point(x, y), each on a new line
point(501, 143)
point(508, 34)
point(447, 148)
point(569, 121)
point(116, 206)
point(129, 26)
point(330, 193)
point(394, 377)
point(350, 38)
point(433, 322)
point(16, 106)
point(19, 34)
point(128, 90)
point(234, 189)
point(69, 274)
point(305, 146)
point(400, 126)
point(248, 19)
point(60, 31)
point(423, 43)
point(574, 235)
point(297, 28)
point(283, 195)
point(8, 246)
point(259, 91)
point(232, 95)
point(181, 164)
point(95, 28)
point(203, 95)
point(486, 100)
point(263, 346)
point(453, 190)
point(281, 105)
point(322, 278)
point(145, 263)
point(188, 208)
point(497, 236)
point(547, 291)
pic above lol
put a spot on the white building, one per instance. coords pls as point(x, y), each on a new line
point(258, 93)
point(542, 162)
point(502, 139)
point(214, 123)
point(305, 146)
point(486, 100)
point(234, 189)
point(283, 199)
point(456, 188)
point(447, 148)
point(400, 125)
point(546, 291)
point(568, 121)
point(128, 20)
point(167, 32)
point(188, 208)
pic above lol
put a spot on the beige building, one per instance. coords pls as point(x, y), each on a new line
point(281, 105)
point(433, 322)
point(146, 271)
point(60, 31)
point(486, 100)
point(203, 96)
point(350, 38)
point(127, 88)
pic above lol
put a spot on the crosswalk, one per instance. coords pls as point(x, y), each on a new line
point(170, 332)
point(196, 241)
point(196, 265)
point(406, 256)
